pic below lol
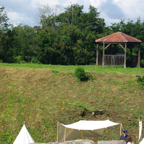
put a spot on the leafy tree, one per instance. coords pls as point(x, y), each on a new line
point(3, 19)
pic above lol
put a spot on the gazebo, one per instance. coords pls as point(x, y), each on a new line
point(117, 38)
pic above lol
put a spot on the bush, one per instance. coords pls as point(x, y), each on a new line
point(142, 63)
point(89, 76)
point(1, 61)
point(34, 60)
point(18, 59)
point(82, 75)
point(140, 80)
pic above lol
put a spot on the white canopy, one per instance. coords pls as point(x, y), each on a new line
point(142, 141)
point(23, 137)
point(83, 128)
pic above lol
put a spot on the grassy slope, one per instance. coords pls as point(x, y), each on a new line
point(41, 95)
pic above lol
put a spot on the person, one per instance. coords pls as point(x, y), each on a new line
point(129, 140)
point(124, 136)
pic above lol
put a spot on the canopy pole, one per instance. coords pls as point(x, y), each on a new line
point(121, 128)
point(81, 134)
point(108, 133)
point(64, 134)
point(57, 130)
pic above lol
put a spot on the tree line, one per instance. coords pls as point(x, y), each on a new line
point(66, 38)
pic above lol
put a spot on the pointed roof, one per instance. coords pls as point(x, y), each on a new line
point(118, 37)
point(23, 137)
point(142, 141)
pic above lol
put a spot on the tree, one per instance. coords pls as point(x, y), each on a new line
point(3, 19)
point(47, 15)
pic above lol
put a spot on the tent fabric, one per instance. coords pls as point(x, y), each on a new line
point(142, 141)
point(23, 137)
point(88, 128)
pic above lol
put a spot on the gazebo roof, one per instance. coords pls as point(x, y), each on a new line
point(118, 37)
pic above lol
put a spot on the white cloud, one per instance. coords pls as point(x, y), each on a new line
point(132, 8)
point(17, 18)
point(23, 11)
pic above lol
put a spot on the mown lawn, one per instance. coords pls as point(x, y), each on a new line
point(41, 95)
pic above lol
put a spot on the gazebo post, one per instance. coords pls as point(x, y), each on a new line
point(97, 52)
point(130, 55)
point(125, 55)
point(103, 53)
point(138, 63)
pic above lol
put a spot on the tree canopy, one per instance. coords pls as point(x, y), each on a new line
point(66, 38)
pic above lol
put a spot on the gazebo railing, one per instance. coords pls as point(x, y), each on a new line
point(114, 60)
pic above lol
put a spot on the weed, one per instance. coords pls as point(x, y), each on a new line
point(55, 71)
point(89, 76)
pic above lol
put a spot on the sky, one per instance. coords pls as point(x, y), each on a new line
point(113, 11)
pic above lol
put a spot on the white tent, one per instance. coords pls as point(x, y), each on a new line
point(142, 141)
point(82, 129)
point(23, 137)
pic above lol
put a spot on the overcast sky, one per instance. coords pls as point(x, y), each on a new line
point(23, 11)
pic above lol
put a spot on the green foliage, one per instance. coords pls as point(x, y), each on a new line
point(6, 136)
point(82, 75)
point(142, 63)
point(89, 76)
point(67, 38)
point(55, 71)
point(34, 60)
point(140, 80)
point(18, 59)
point(1, 61)
point(3, 20)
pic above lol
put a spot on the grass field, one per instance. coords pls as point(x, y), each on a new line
point(41, 95)
point(90, 68)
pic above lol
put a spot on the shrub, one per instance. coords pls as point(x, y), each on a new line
point(18, 59)
point(1, 61)
point(142, 63)
point(35, 60)
point(89, 76)
point(140, 80)
point(55, 71)
point(82, 75)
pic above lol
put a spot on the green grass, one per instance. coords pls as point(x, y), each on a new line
point(41, 95)
point(91, 68)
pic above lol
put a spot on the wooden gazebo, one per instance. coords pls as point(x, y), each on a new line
point(117, 38)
